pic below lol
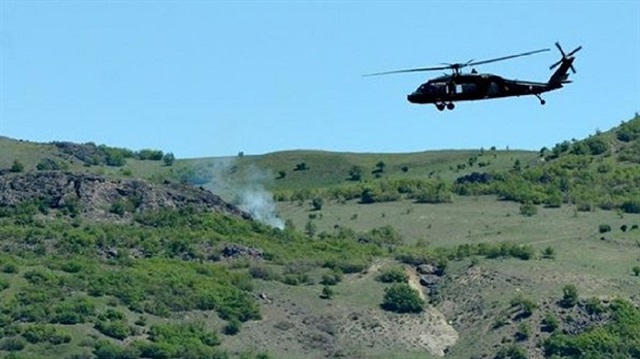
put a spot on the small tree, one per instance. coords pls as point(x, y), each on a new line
point(393, 275)
point(604, 228)
point(636, 271)
point(310, 228)
point(570, 296)
point(327, 292)
point(281, 174)
point(168, 159)
point(302, 166)
point(317, 203)
point(524, 332)
point(355, 173)
point(550, 323)
point(380, 166)
point(16, 167)
point(549, 253)
point(528, 209)
point(401, 298)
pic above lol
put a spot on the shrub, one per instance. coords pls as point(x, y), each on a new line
point(524, 332)
point(13, 344)
point(401, 298)
point(549, 253)
point(327, 292)
point(569, 296)
point(232, 327)
point(631, 206)
point(393, 275)
point(16, 167)
point(636, 271)
point(44, 333)
point(604, 228)
point(10, 268)
point(168, 159)
point(525, 305)
point(511, 352)
point(151, 155)
point(594, 306)
point(107, 350)
point(263, 272)
point(332, 278)
point(355, 173)
point(317, 203)
point(116, 329)
point(528, 209)
point(550, 323)
point(47, 164)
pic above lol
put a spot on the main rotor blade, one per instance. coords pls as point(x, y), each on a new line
point(420, 69)
point(574, 51)
point(505, 57)
point(560, 48)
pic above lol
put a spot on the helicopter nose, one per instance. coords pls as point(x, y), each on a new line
point(412, 97)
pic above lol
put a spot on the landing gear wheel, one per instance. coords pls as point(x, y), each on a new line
point(451, 106)
point(542, 102)
point(440, 106)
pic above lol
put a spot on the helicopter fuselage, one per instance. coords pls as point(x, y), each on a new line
point(475, 86)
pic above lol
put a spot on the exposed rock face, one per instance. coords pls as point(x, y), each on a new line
point(96, 194)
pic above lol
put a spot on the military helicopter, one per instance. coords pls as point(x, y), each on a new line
point(443, 91)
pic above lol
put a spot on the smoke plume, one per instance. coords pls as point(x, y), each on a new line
point(244, 187)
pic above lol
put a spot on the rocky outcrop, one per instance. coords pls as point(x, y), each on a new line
point(97, 195)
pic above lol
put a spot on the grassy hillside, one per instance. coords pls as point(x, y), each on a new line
point(510, 254)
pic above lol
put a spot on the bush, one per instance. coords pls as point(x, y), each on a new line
point(524, 332)
point(317, 203)
point(151, 155)
point(16, 167)
point(10, 268)
point(232, 327)
point(636, 270)
point(511, 352)
point(604, 228)
point(45, 333)
point(569, 296)
point(594, 306)
point(332, 278)
point(550, 323)
point(13, 344)
point(393, 275)
point(3, 284)
point(528, 209)
point(47, 164)
point(401, 298)
point(107, 350)
point(327, 292)
point(168, 159)
point(549, 253)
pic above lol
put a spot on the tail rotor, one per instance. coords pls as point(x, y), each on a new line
point(565, 57)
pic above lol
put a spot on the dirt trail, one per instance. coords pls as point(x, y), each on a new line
point(438, 334)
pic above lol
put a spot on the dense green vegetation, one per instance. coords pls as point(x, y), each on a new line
point(181, 283)
point(618, 338)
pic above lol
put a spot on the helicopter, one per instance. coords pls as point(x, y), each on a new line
point(444, 90)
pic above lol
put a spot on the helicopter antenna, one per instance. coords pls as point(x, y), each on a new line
point(456, 67)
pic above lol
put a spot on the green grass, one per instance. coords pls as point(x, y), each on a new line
point(475, 292)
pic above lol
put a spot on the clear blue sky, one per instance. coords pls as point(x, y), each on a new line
point(213, 78)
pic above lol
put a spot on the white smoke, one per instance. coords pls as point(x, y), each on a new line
point(259, 203)
point(244, 187)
